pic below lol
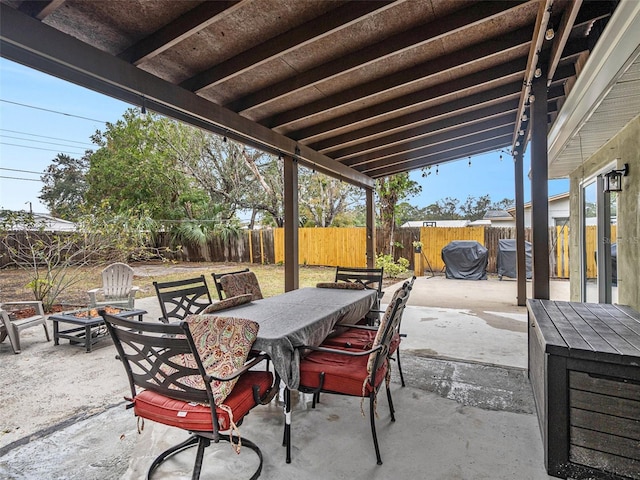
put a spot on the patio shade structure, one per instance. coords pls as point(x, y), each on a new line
point(356, 90)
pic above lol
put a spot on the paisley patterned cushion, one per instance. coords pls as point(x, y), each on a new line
point(383, 325)
point(223, 345)
point(240, 284)
point(228, 303)
point(342, 285)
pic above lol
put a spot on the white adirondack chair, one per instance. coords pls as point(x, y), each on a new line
point(117, 287)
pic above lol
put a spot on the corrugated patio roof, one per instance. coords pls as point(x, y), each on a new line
point(359, 90)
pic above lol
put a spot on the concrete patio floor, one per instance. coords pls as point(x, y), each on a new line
point(467, 411)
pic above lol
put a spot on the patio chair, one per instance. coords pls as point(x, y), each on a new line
point(371, 278)
point(117, 287)
point(218, 276)
point(362, 337)
point(182, 297)
point(241, 284)
point(11, 327)
point(354, 372)
point(180, 380)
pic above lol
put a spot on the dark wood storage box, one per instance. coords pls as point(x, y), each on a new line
point(584, 367)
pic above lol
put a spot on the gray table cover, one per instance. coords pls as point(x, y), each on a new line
point(300, 317)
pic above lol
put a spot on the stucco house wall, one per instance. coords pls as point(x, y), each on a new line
point(625, 146)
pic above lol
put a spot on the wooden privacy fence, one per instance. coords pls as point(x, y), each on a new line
point(326, 246)
point(347, 246)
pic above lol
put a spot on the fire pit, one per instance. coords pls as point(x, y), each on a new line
point(89, 326)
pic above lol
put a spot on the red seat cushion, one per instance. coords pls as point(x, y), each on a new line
point(197, 417)
point(343, 374)
point(360, 339)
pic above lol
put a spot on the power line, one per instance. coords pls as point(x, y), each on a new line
point(44, 136)
point(21, 171)
point(39, 141)
point(19, 178)
point(52, 111)
point(38, 148)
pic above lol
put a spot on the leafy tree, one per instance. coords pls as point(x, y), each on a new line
point(475, 209)
point(504, 204)
point(323, 199)
point(406, 212)
point(54, 260)
point(444, 209)
point(65, 185)
point(390, 190)
point(241, 178)
point(136, 167)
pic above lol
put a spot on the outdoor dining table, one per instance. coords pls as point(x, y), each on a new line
point(300, 317)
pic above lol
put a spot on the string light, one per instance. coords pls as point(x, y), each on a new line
point(437, 167)
point(469, 161)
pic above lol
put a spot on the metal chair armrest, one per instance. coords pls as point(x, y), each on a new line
point(359, 327)
point(245, 368)
point(350, 353)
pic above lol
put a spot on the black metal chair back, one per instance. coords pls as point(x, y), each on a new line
point(182, 297)
point(218, 276)
point(325, 368)
point(153, 355)
point(371, 278)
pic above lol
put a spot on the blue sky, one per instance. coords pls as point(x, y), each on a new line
point(31, 137)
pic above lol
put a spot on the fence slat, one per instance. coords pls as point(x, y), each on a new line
point(347, 246)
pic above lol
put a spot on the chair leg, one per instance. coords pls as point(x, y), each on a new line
point(197, 467)
point(392, 410)
point(287, 423)
point(400, 367)
point(46, 331)
point(189, 442)
point(372, 415)
point(202, 443)
point(14, 337)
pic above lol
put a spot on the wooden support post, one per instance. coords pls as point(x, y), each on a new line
point(540, 188)
point(291, 273)
point(371, 229)
point(521, 254)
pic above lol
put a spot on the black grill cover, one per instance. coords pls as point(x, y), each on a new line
point(465, 260)
point(507, 258)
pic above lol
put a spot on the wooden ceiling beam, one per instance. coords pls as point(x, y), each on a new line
point(335, 20)
point(177, 30)
point(473, 82)
point(446, 145)
point(443, 157)
point(562, 36)
point(405, 78)
point(440, 138)
point(542, 19)
point(394, 45)
point(427, 115)
point(40, 9)
point(39, 46)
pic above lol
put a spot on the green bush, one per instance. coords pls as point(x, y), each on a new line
point(392, 269)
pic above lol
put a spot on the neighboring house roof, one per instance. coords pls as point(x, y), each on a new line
point(477, 223)
point(435, 223)
point(51, 224)
point(493, 215)
point(552, 199)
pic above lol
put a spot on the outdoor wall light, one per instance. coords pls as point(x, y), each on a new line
point(613, 179)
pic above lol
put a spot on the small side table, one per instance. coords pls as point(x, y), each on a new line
point(86, 330)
